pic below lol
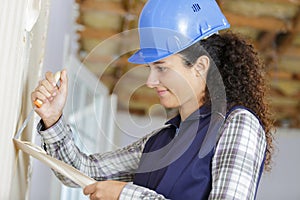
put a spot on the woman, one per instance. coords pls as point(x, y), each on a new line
point(218, 145)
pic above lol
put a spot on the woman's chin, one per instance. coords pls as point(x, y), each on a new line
point(168, 104)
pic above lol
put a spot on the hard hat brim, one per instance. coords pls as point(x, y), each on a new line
point(148, 55)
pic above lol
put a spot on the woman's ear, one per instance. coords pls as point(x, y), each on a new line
point(202, 65)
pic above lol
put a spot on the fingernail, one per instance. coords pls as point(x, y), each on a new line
point(54, 94)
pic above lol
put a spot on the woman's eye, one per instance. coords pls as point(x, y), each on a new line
point(161, 69)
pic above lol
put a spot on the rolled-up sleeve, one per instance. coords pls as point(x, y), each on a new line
point(116, 165)
point(135, 192)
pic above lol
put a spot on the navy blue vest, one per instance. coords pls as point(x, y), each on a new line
point(171, 165)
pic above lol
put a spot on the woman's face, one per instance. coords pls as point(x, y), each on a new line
point(176, 85)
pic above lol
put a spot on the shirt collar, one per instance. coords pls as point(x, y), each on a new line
point(202, 112)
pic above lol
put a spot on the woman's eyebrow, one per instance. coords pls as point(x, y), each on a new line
point(159, 62)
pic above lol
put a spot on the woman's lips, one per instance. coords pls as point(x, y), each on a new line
point(161, 92)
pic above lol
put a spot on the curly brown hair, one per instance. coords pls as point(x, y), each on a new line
point(242, 74)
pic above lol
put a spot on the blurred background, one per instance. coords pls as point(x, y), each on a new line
point(92, 39)
point(273, 26)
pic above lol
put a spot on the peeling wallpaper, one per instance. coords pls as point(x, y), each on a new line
point(21, 60)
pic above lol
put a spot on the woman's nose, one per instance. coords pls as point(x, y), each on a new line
point(152, 80)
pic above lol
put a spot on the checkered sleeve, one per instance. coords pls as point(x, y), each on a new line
point(238, 157)
point(135, 192)
point(118, 165)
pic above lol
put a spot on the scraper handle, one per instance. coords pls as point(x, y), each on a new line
point(38, 103)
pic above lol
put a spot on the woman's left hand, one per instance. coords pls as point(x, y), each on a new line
point(104, 190)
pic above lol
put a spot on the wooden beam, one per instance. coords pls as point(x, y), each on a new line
point(289, 88)
point(295, 2)
point(108, 81)
point(290, 38)
point(89, 32)
point(276, 74)
point(280, 101)
point(266, 40)
point(133, 6)
point(284, 113)
point(292, 51)
point(289, 64)
point(96, 59)
point(262, 23)
point(106, 6)
point(137, 100)
point(286, 110)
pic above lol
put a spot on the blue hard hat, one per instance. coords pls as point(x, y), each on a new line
point(166, 27)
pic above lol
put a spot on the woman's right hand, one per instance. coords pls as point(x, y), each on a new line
point(53, 97)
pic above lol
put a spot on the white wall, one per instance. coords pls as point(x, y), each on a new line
point(12, 72)
point(60, 28)
point(21, 58)
point(284, 180)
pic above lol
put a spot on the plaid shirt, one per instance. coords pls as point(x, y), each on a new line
point(235, 166)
